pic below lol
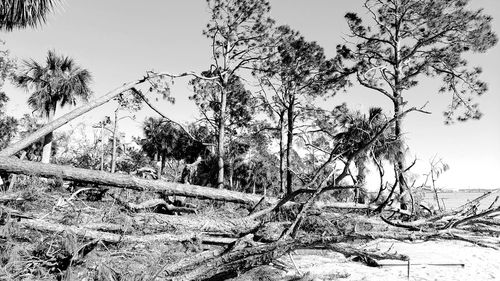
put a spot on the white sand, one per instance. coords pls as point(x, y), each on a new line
point(480, 263)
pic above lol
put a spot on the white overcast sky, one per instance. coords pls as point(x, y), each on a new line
point(118, 40)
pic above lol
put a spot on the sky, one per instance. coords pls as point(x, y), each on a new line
point(119, 40)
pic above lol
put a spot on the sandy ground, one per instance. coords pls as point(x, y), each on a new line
point(479, 263)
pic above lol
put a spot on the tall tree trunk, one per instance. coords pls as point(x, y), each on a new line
point(398, 104)
point(47, 140)
point(102, 147)
point(360, 180)
point(113, 152)
point(289, 146)
point(282, 152)
point(162, 165)
point(231, 174)
point(220, 147)
point(400, 156)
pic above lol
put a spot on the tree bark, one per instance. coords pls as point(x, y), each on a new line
point(229, 227)
point(47, 141)
point(220, 145)
point(16, 166)
point(231, 174)
point(101, 167)
point(163, 161)
point(400, 156)
point(282, 153)
point(289, 146)
point(113, 151)
point(398, 104)
point(42, 225)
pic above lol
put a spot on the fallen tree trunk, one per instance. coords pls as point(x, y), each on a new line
point(42, 225)
point(449, 234)
point(204, 224)
point(16, 166)
point(350, 205)
point(348, 251)
point(156, 205)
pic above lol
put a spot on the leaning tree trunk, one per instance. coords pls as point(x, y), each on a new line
point(50, 127)
point(47, 141)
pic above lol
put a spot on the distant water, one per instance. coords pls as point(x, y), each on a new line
point(453, 200)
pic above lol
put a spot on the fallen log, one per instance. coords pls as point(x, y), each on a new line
point(42, 225)
point(357, 206)
point(221, 226)
point(161, 205)
point(16, 166)
point(448, 234)
point(158, 205)
point(348, 251)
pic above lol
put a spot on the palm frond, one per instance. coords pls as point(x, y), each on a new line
point(24, 13)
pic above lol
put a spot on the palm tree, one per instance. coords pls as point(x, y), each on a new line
point(354, 141)
point(60, 82)
point(160, 140)
point(24, 13)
